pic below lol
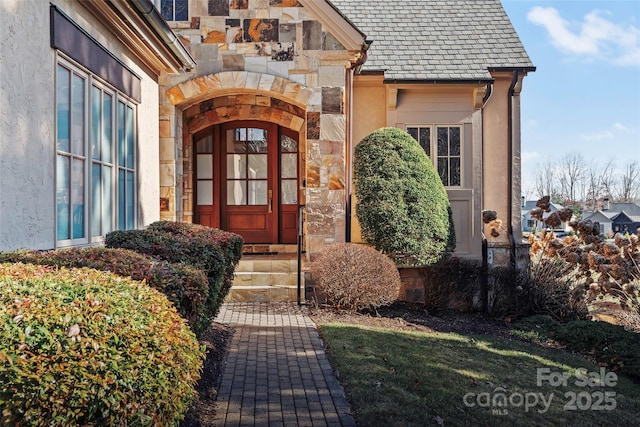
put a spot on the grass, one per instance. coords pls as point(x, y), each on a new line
point(399, 378)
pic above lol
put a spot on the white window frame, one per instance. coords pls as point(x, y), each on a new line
point(117, 98)
point(433, 145)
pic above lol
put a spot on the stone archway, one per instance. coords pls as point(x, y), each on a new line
point(215, 99)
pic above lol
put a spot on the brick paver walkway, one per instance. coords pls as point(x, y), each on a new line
point(276, 372)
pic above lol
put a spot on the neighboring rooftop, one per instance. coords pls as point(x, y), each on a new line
point(436, 39)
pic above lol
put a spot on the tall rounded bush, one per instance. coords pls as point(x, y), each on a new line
point(84, 347)
point(402, 206)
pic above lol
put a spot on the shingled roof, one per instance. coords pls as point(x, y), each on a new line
point(436, 39)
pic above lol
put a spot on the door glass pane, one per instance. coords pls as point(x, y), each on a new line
point(289, 165)
point(130, 200)
point(205, 193)
point(257, 146)
point(96, 199)
point(63, 108)
point(236, 193)
point(257, 166)
point(96, 125)
point(257, 193)
point(107, 128)
point(425, 140)
point(289, 192)
point(77, 198)
point(205, 145)
point(455, 171)
point(77, 115)
point(236, 166)
point(288, 145)
point(62, 198)
point(129, 142)
point(204, 163)
point(241, 134)
point(454, 142)
point(107, 200)
point(121, 200)
point(443, 142)
point(121, 140)
point(443, 170)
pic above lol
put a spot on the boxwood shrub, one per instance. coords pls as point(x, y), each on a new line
point(402, 206)
point(85, 347)
point(185, 286)
point(215, 252)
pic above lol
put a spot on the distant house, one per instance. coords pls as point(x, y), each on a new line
point(530, 224)
point(616, 218)
point(603, 218)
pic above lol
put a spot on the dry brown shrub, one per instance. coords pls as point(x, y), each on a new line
point(356, 277)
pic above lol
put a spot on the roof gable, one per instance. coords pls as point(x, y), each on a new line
point(336, 23)
point(437, 39)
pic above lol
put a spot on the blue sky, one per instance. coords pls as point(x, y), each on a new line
point(585, 94)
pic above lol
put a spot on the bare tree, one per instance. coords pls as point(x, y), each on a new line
point(572, 172)
point(599, 181)
point(628, 190)
point(545, 179)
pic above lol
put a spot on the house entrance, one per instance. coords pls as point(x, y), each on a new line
point(247, 179)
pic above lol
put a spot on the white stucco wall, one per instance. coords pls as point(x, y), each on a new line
point(27, 131)
point(26, 126)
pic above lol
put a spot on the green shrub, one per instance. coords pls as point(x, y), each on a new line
point(355, 277)
point(186, 287)
point(610, 345)
point(452, 284)
point(402, 206)
point(215, 252)
point(84, 347)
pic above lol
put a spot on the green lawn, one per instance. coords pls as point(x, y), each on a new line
point(397, 378)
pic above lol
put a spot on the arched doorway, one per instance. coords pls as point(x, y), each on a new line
point(246, 180)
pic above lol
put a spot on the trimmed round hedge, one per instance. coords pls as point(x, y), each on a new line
point(84, 347)
point(356, 277)
point(402, 206)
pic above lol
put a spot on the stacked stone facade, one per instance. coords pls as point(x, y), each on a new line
point(267, 60)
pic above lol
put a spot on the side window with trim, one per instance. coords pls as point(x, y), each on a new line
point(443, 145)
point(96, 169)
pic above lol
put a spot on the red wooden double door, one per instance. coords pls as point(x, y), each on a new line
point(246, 180)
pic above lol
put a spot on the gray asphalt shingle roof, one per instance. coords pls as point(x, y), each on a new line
point(436, 39)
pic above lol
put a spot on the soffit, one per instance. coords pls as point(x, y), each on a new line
point(123, 21)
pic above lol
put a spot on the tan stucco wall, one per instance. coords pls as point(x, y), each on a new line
point(496, 154)
point(369, 114)
point(27, 123)
point(378, 105)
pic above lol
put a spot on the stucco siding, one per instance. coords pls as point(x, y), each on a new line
point(27, 123)
point(26, 126)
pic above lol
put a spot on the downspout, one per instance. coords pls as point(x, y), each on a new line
point(484, 272)
point(350, 72)
point(348, 148)
point(512, 254)
point(152, 16)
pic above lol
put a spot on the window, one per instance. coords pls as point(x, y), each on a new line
point(445, 143)
point(175, 10)
point(532, 223)
point(96, 166)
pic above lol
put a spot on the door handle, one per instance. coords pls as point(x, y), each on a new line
point(270, 201)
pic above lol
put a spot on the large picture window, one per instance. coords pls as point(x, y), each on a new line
point(96, 165)
point(443, 145)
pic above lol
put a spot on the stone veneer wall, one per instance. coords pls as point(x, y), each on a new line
point(266, 60)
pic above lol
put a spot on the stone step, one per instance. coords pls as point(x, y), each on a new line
point(263, 294)
point(266, 278)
